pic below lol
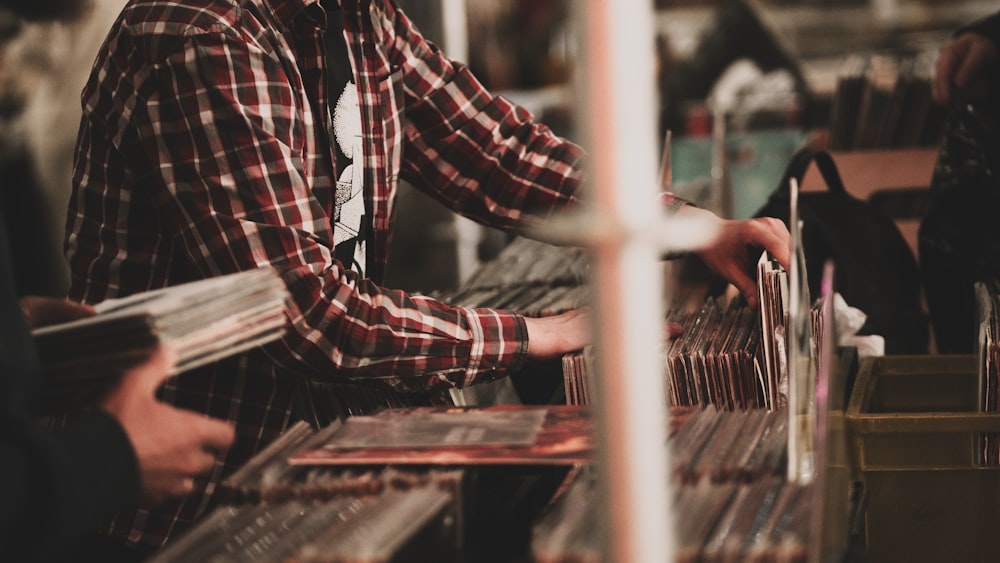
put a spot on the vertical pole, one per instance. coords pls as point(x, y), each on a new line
point(456, 44)
point(456, 29)
point(619, 118)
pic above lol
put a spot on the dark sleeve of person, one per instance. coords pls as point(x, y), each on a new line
point(988, 26)
point(56, 488)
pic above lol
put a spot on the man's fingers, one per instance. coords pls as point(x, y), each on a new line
point(217, 435)
point(771, 235)
point(746, 285)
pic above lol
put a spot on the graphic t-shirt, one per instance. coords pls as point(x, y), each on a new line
point(351, 224)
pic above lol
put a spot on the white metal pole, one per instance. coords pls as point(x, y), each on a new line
point(455, 22)
point(619, 119)
point(456, 29)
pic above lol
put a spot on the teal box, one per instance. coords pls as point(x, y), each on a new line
point(757, 161)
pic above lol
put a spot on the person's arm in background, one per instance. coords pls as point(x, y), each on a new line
point(486, 158)
point(969, 61)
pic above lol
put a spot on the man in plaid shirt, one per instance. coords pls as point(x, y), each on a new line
point(215, 138)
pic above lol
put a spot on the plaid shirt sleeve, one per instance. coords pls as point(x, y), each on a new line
point(204, 131)
point(478, 153)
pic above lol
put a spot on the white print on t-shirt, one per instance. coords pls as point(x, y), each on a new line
point(350, 205)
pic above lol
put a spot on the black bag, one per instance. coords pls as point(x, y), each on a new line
point(874, 269)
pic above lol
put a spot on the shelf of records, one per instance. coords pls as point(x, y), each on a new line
point(884, 101)
point(765, 453)
point(382, 476)
point(720, 358)
point(521, 482)
point(505, 483)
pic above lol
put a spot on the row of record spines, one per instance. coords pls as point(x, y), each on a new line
point(729, 446)
point(715, 361)
point(576, 369)
point(392, 525)
point(325, 483)
point(766, 520)
point(335, 511)
point(713, 443)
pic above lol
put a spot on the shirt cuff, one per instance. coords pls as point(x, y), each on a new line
point(500, 344)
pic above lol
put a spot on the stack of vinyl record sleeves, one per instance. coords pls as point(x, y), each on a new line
point(382, 488)
point(728, 354)
point(715, 361)
point(342, 494)
point(729, 488)
point(203, 321)
point(271, 510)
point(384, 524)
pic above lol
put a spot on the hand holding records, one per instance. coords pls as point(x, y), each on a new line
point(172, 445)
point(203, 321)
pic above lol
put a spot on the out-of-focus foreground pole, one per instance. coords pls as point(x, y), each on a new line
point(618, 119)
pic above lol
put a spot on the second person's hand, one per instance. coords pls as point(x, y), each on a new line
point(172, 445)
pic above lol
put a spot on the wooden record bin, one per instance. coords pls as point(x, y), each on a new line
point(915, 432)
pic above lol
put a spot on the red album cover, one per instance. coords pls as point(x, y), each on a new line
point(496, 435)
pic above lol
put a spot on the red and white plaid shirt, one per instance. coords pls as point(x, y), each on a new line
point(204, 150)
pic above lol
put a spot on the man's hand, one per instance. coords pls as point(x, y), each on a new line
point(967, 62)
point(44, 311)
point(172, 445)
point(550, 337)
point(729, 253)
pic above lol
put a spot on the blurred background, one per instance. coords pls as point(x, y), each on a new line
point(741, 84)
